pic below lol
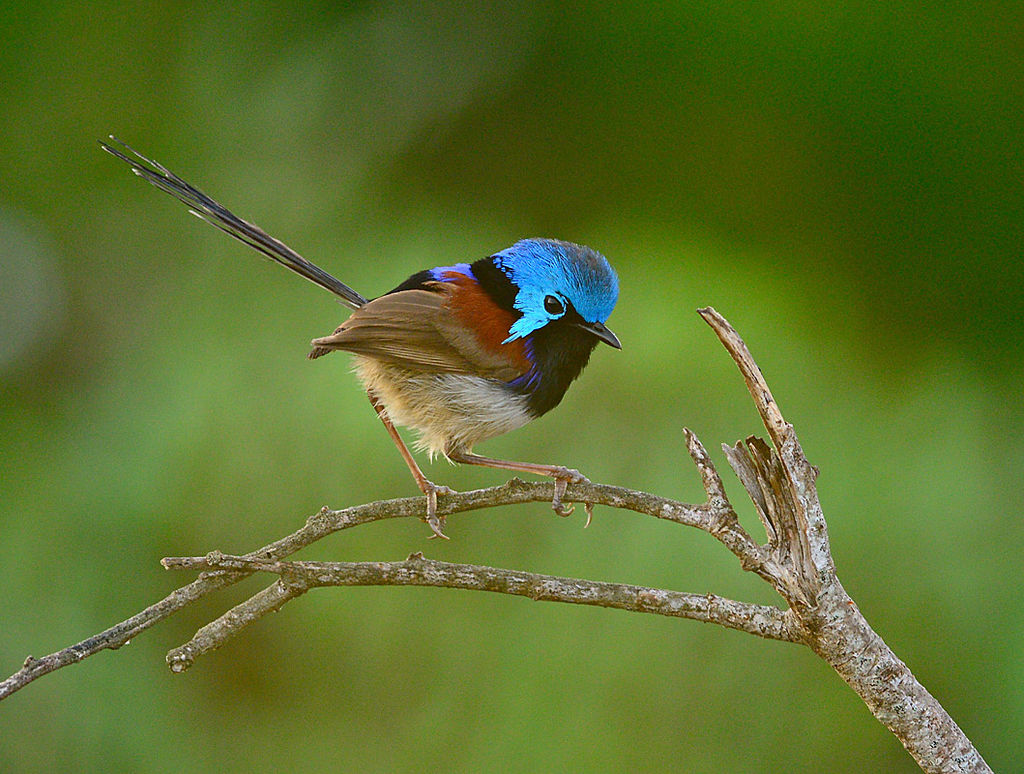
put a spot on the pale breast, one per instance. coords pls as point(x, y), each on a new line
point(450, 411)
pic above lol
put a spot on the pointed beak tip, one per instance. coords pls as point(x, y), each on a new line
point(611, 339)
point(603, 334)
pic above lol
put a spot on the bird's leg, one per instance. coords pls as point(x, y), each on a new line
point(428, 487)
point(563, 476)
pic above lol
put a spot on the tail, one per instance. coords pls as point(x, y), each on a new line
point(213, 213)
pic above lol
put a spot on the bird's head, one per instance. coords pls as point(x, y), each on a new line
point(562, 282)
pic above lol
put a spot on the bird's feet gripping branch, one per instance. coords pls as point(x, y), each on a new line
point(562, 476)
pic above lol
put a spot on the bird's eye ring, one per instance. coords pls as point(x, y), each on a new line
point(553, 305)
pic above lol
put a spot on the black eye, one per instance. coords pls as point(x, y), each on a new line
point(553, 306)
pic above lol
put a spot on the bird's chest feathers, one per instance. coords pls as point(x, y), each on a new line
point(486, 322)
point(547, 360)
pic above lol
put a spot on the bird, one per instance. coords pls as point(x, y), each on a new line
point(458, 353)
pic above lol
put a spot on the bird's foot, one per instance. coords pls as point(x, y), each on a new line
point(435, 522)
point(563, 477)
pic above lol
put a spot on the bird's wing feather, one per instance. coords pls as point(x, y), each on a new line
point(414, 329)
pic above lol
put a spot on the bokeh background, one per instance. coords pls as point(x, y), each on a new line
point(842, 181)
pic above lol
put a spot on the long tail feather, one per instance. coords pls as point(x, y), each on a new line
point(216, 215)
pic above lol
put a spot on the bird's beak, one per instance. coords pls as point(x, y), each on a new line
point(599, 330)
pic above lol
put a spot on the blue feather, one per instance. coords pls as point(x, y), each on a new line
point(549, 267)
point(459, 268)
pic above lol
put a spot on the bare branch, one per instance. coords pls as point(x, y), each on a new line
point(216, 633)
point(796, 561)
point(327, 521)
point(799, 474)
point(782, 484)
point(742, 466)
point(297, 577)
point(723, 523)
point(763, 399)
point(114, 637)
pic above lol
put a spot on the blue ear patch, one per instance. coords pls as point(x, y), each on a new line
point(543, 267)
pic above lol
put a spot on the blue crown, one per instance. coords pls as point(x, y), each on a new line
point(543, 267)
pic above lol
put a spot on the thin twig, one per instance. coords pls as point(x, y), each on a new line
point(217, 632)
point(758, 387)
point(116, 636)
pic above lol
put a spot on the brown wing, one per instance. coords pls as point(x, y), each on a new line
point(414, 329)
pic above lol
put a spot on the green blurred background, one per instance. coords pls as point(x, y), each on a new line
point(843, 183)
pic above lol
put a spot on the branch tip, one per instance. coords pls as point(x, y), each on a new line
point(713, 486)
point(756, 384)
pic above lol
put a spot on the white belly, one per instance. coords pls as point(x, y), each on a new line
point(450, 411)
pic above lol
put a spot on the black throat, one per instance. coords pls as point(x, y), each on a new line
point(559, 351)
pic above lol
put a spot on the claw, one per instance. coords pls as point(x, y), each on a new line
point(560, 486)
point(437, 526)
point(589, 508)
point(435, 522)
